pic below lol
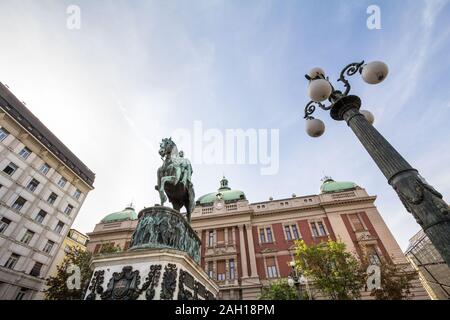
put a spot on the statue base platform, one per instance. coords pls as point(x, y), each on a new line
point(152, 274)
point(162, 263)
point(163, 227)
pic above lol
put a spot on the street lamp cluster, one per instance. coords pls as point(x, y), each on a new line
point(320, 89)
point(297, 279)
point(431, 212)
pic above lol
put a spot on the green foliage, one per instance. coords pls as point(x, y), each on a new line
point(57, 284)
point(57, 288)
point(109, 247)
point(336, 272)
point(396, 280)
point(279, 290)
point(339, 275)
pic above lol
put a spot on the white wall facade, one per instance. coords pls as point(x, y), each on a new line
point(16, 281)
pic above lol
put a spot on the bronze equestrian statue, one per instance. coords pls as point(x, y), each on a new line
point(174, 178)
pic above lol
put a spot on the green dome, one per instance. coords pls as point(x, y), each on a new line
point(224, 192)
point(329, 185)
point(126, 214)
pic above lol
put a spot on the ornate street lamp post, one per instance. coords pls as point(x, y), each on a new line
point(297, 280)
point(419, 198)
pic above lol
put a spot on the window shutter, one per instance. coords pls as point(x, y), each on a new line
point(270, 262)
point(220, 235)
point(220, 267)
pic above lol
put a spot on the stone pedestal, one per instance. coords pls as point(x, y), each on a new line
point(162, 263)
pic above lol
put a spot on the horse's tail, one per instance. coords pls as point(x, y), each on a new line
point(191, 195)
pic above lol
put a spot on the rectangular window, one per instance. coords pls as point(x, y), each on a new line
point(372, 254)
point(59, 227)
point(40, 216)
point(221, 270)
point(230, 235)
point(10, 169)
point(97, 248)
point(52, 198)
point(295, 232)
point(77, 194)
point(68, 209)
point(232, 268)
point(12, 261)
point(269, 235)
point(287, 230)
point(3, 133)
point(322, 231)
point(220, 236)
point(211, 269)
point(4, 224)
point(25, 153)
point(271, 268)
point(48, 246)
point(44, 169)
point(262, 236)
point(21, 294)
point(27, 237)
point(211, 238)
point(356, 222)
point(32, 185)
point(314, 229)
point(62, 182)
point(19, 203)
point(36, 271)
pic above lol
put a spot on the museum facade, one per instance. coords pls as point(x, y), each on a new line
point(245, 246)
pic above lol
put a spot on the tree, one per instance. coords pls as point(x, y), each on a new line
point(396, 280)
point(57, 286)
point(109, 247)
point(336, 273)
point(279, 290)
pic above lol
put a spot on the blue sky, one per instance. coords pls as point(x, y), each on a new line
point(138, 70)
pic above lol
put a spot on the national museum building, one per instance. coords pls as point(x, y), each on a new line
point(42, 188)
point(246, 245)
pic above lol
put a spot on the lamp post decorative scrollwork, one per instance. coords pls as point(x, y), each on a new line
point(431, 212)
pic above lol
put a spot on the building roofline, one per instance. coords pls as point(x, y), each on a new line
point(83, 234)
point(21, 114)
point(284, 199)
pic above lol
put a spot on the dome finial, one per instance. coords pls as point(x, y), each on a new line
point(326, 179)
point(130, 205)
point(224, 183)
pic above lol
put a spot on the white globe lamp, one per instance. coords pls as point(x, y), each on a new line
point(374, 72)
point(315, 127)
point(314, 72)
point(319, 90)
point(368, 115)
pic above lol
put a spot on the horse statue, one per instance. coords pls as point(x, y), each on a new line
point(174, 178)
